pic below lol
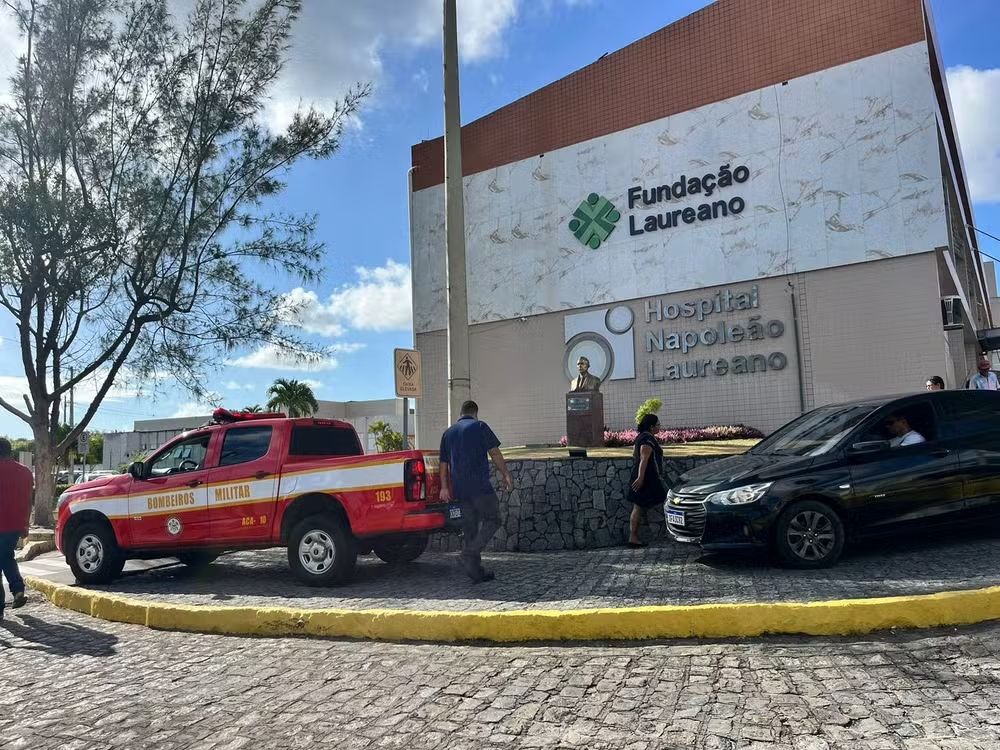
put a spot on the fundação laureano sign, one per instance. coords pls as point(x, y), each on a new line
point(596, 217)
point(595, 220)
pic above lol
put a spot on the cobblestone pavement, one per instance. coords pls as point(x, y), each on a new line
point(74, 683)
point(665, 573)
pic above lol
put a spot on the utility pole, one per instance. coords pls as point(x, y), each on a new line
point(459, 382)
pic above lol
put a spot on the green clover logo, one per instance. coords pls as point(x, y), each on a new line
point(594, 220)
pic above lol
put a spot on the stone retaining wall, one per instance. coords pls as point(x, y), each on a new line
point(576, 503)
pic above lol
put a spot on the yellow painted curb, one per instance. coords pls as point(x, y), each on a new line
point(838, 617)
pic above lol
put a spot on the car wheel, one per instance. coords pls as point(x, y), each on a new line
point(94, 555)
point(197, 560)
point(322, 552)
point(402, 549)
point(809, 534)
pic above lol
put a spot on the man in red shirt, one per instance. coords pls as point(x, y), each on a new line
point(15, 508)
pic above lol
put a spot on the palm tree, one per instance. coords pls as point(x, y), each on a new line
point(293, 397)
point(255, 409)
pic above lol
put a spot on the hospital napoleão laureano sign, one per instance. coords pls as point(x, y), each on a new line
point(703, 341)
point(669, 252)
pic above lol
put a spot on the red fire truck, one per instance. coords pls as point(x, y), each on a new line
point(248, 481)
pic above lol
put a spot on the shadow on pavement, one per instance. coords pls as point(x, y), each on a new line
point(946, 540)
point(57, 639)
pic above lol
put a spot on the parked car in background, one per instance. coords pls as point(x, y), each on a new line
point(846, 470)
point(97, 474)
point(254, 481)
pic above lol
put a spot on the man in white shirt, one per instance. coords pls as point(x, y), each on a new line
point(985, 380)
point(899, 426)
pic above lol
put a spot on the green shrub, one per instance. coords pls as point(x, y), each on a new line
point(650, 406)
point(387, 439)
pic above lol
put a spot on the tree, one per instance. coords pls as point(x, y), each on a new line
point(293, 397)
point(22, 444)
point(386, 438)
point(69, 453)
point(134, 172)
point(650, 406)
point(95, 451)
point(254, 409)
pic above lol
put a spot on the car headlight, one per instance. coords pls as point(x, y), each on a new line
point(63, 499)
point(745, 495)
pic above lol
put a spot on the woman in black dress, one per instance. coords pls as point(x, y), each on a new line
point(646, 489)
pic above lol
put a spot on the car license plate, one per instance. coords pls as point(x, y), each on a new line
point(676, 517)
point(454, 512)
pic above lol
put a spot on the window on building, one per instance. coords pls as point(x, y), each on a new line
point(319, 440)
point(244, 444)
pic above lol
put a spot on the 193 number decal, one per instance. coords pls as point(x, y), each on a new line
point(383, 496)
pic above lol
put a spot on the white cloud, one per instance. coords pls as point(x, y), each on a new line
point(12, 390)
point(380, 300)
point(421, 80)
point(314, 384)
point(232, 385)
point(193, 409)
point(11, 46)
point(339, 44)
point(199, 408)
point(271, 357)
point(975, 97)
point(336, 45)
point(304, 309)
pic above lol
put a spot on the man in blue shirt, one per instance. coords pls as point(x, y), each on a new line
point(465, 476)
point(985, 380)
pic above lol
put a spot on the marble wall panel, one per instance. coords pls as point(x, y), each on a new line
point(844, 168)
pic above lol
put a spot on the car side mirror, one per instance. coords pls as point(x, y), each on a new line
point(869, 447)
point(136, 469)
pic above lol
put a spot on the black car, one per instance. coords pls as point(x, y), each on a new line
point(880, 464)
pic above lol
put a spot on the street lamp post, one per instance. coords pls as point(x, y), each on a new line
point(459, 382)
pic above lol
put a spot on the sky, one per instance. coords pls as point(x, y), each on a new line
point(509, 48)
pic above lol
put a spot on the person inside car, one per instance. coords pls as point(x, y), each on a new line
point(899, 426)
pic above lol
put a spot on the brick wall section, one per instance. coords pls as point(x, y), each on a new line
point(729, 48)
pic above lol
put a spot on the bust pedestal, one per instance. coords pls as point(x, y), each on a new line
point(585, 418)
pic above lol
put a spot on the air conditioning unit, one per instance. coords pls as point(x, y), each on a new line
point(951, 312)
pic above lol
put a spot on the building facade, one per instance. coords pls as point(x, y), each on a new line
point(754, 211)
point(148, 434)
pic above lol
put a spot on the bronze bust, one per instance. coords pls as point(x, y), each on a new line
point(584, 381)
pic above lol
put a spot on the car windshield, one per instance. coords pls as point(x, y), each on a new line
point(815, 433)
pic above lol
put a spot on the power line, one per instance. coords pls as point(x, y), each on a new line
point(991, 236)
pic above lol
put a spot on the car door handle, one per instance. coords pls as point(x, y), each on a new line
point(941, 452)
point(262, 475)
point(194, 483)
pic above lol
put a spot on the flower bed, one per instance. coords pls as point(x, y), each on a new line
point(673, 435)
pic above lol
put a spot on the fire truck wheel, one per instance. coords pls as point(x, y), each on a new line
point(401, 549)
point(321, 551)
point(94, 555)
